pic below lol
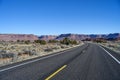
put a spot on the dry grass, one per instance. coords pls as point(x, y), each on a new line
point(11, 52)
point(115, 46)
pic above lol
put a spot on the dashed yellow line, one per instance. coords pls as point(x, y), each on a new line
point(56, 72)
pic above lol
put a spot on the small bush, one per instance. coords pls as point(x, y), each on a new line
point(55, 48)
point(43, 42)
point(27, 42)
point(52, 41)
point(27, 52)
point(7, 55)
point(18, 40)
point(67, 41)
point(48, 50)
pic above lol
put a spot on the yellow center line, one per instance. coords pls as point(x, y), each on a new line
point(56, 72)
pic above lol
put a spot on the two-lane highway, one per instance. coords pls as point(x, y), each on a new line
point(93, 64)
point(87, 62)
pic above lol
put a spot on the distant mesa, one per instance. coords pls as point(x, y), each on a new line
point(32, 37)
point(15, 37)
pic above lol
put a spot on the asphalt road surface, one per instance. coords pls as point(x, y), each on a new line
point(87, 62)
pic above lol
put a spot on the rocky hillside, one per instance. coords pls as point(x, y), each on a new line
point(15, 37)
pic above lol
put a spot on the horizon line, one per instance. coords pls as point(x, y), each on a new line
point(60, 34)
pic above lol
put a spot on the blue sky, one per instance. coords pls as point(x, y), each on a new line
point(53, 17)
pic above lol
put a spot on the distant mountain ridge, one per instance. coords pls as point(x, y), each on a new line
point(81, 36)
point(32, 37)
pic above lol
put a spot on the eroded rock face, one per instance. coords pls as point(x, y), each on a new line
point(15, 37)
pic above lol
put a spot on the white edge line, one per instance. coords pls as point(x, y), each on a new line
point(111, 55)
point(32, 61)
